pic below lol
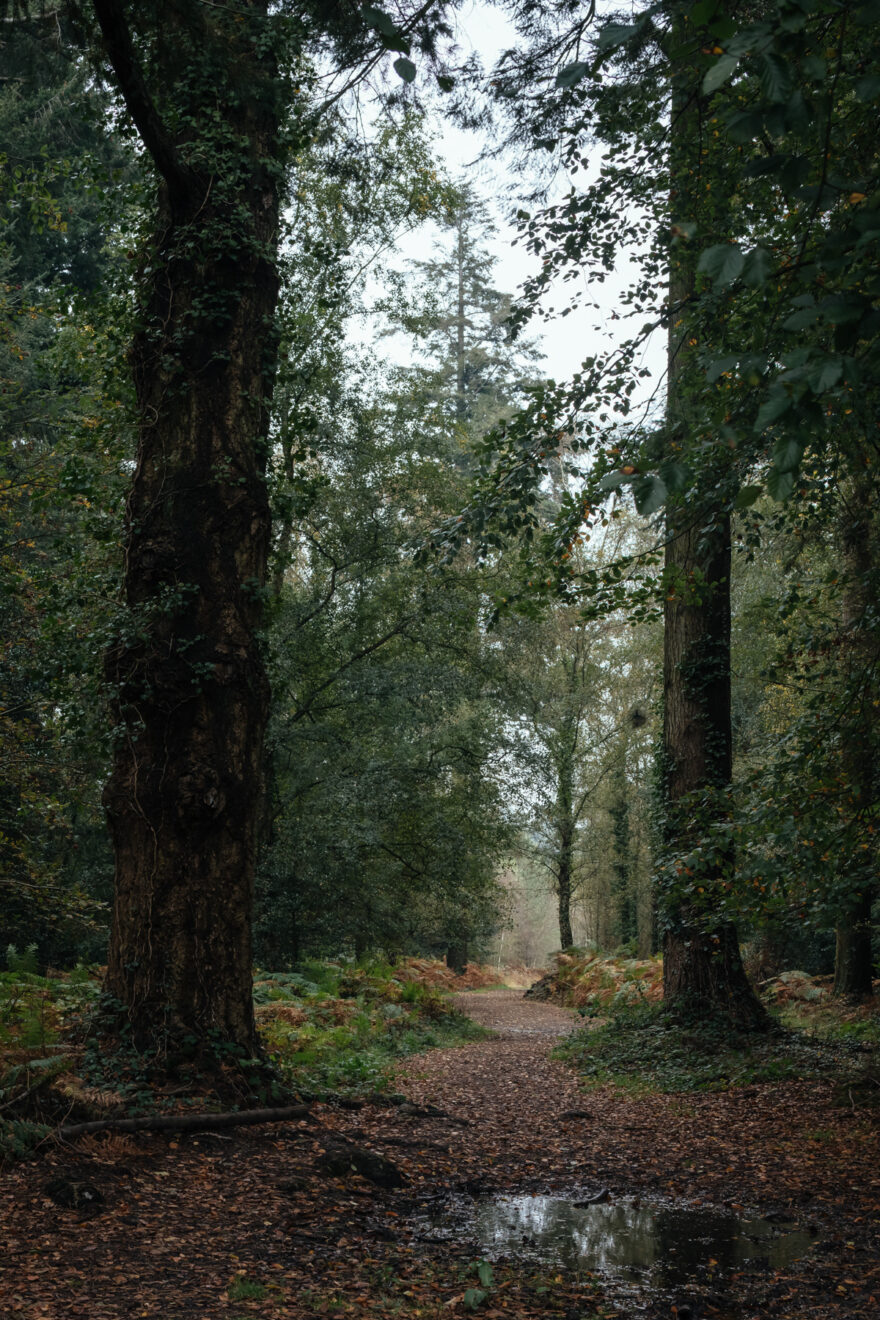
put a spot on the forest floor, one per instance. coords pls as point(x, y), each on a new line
point(251, 1223)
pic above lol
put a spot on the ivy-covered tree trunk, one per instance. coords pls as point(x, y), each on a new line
point(854, 963)
point(190, 691)
point(565, 823)
point(701, 960)
point(702, 967)
point(563, 889)
point(621, 860)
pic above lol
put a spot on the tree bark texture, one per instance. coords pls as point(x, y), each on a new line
point(190, 691)
point(566, 816)
point(563, 889)
point(702, 967)
point(853, 961)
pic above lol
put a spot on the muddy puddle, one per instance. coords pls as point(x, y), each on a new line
point(654, 1246)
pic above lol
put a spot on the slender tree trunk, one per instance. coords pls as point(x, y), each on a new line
point(456, 956)
point(853, 951)
point(563, 893)
point(566, 825)
point(190, 691)
point(621, 865)
point(460, 404)
point(853, 962)
point(702, 967)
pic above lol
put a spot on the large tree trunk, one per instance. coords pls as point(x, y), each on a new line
point(190, 691)
point(702, 967)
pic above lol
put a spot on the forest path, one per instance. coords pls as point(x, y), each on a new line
point(507, 1088)
point(509, 1013)
point(254, 1223)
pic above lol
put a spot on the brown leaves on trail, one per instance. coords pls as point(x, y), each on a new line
point(222, 1226)
point(432, 971)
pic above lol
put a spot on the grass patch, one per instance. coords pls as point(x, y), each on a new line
point(641, 1048)
point(246, 1290)
point(831, 1021)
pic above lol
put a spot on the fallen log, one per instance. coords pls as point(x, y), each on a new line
point(184, 1122)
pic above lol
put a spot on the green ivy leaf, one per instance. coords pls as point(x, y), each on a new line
point(723, 263)
point(405, 69)
point(776, 406)
point(787, 455)
point(616, 34)
point(758, 267)
point(868, 88)
point(379, 20)
point(674, 474)
point(614, 480)
point(720, 367)
point(801, 319)
point(571, 74)
point(747, 497)
point(843, 308)
point(775, 78)
point(826, 375)
point(650, 494)
point(702, 12)
point(719, 73)
point(780, 484)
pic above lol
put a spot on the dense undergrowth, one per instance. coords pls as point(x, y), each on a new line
point(643, 1048)
point(329, 1029)
point(338, 1029)
point(637, 1045)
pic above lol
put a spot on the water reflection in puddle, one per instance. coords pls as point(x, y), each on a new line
point(667, 1246)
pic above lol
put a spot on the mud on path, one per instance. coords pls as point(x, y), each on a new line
point(251, 1224)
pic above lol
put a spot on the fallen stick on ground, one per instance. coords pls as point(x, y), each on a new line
point(184, 1122)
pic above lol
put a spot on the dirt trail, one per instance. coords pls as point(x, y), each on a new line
point(249, 1224)
point(509, 1013)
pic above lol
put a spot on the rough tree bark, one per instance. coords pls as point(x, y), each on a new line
point(566, 938)
point(853, 962)
point(702, 967)
point(190, 692)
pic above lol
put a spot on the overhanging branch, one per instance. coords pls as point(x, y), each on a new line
point(132, 84)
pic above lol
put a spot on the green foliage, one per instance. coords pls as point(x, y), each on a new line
point(475, 1297)
point(350, 1044)
point(642, 1048)
point(26, 961)
point(388, 815)
point(246, 1290)
point(33, 1008)
point(19, 1137)
point(62, 440)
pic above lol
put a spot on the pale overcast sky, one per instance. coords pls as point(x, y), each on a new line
point(565, 341)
